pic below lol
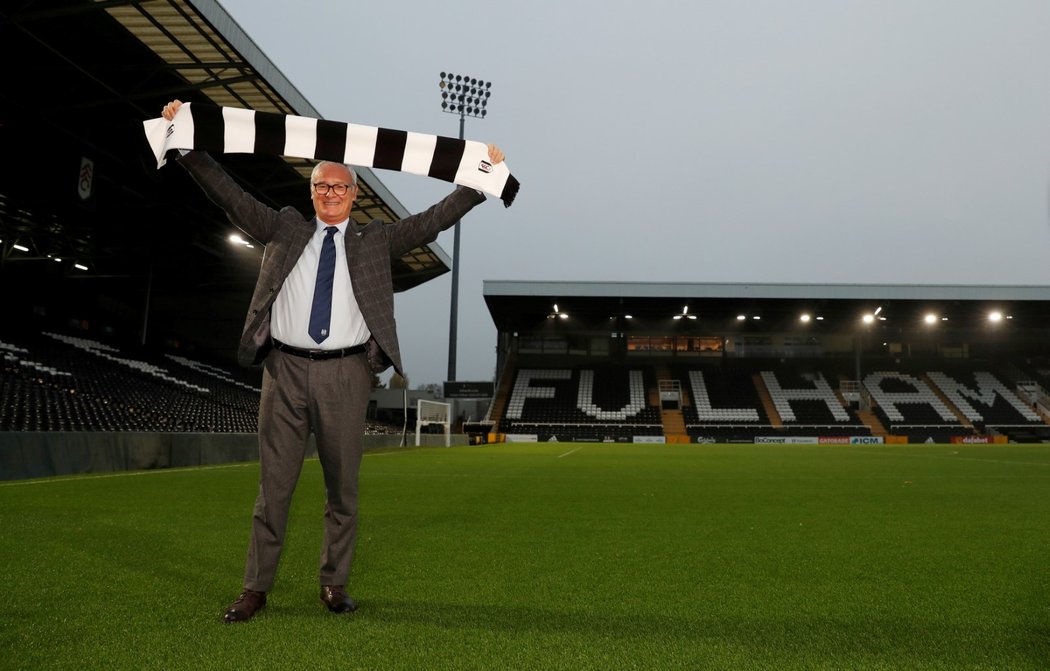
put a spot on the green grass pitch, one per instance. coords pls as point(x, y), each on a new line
point(553, 556)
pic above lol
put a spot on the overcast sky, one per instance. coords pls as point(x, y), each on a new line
point(825, 141)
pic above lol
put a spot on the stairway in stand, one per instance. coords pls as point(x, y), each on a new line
point(673, 421)
point(767, 401)
point(674, 426)
point(872, 420)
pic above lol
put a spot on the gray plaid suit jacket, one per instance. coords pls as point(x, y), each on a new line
point(286, 233)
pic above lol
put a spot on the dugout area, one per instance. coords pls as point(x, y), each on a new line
point(679, 362)
point(94, 238)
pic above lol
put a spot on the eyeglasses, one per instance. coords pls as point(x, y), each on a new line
point(322, 189)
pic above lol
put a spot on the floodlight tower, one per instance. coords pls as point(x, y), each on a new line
point(465, 96)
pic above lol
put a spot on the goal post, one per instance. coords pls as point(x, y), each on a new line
point(432, 412)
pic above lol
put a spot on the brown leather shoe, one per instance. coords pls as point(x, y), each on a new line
point(335, 598)
point(245, 606)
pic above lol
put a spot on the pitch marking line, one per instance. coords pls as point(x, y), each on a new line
point(125, 474)
point(570, 452)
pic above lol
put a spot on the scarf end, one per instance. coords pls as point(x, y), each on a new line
point(510, 190)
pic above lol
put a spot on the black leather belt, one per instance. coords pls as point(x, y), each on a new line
point(317, 354)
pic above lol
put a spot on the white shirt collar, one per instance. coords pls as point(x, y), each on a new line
point(321, 226)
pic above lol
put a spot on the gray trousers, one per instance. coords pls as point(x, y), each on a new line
point(329, 398)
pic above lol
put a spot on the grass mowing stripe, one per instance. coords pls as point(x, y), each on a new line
point(626, 556)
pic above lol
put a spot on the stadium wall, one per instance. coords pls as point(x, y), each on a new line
point(45, 454)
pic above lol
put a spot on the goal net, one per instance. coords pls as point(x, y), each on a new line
point(432, 413)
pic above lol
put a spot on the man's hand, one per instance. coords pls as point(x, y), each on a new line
point(172, 108)
point(495, 153)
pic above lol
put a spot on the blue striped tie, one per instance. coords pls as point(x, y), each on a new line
point(321, 312)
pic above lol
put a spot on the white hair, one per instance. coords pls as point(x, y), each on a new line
point(317, 169)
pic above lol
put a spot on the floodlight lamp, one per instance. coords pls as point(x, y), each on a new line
point(930, 318)
point(58, 259)
point(756, 318)
point(564, 315)
point(79, 266)
point(741, 318)
point(19, 247)
point(676, 317)
point(628, 316)
point(993, 316)
point(877, 310)
point(691, 316)
point(804, 318)
point(867, 319)
point(820, 319)
point(555, 307)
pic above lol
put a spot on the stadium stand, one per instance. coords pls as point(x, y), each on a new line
point(52, 381)
point(724, 404)
point(592, 403)
point(807, 403)
point(57, 382)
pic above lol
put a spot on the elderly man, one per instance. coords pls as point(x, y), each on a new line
point(321, 321)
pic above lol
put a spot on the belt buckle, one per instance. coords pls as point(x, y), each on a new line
point(314, 354)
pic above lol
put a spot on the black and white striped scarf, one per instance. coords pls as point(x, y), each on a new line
point(228, 130)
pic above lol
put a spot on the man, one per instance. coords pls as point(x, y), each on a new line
point(321, 321)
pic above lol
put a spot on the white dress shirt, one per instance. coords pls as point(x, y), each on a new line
point(290, 315)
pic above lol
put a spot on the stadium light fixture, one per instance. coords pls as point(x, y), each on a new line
point(465, 96)
point(557, 314)
point(685, 314)
point(238, 240)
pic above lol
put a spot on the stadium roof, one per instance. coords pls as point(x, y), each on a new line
point(80, 76)
point(521, 305)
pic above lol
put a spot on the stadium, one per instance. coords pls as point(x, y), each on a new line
point(658, 475)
